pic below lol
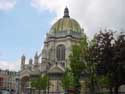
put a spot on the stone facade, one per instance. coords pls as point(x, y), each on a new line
point(54, 57)
point(8, 79)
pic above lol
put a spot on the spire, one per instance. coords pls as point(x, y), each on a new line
point(30, 61)
point(36, 55)
point(23, 59)
point(36, 58)
point(66, 13)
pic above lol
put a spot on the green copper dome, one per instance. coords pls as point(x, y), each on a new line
point(66, 24)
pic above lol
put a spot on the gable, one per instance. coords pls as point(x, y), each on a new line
point(56, 69)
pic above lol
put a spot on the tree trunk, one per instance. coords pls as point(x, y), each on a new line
point(77, 83)
point(92, 87)
point(39, 91)
point(116, 90)
point(44, 91)
point(31, 91)
point(110, 90)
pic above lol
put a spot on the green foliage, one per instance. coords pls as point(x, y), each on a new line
point(84, 47)
point(33, 83)
point(104, 55)
point(78, 60)
point(90, 68)
point(75, 59)
point(103, 81)
point(110, 58)
point(67, 80)
point(40, 83)
point(78, 55)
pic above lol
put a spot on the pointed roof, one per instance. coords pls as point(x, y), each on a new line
point(25, 73)
point(36, 55)
point(56, 69)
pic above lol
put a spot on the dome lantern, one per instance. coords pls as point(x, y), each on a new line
point(66, 12)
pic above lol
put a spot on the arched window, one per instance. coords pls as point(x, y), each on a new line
point(60, 52)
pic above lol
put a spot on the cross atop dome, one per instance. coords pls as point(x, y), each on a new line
point(66, 12)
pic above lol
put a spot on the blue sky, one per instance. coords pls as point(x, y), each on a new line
point(24, 23)
point(22, 30)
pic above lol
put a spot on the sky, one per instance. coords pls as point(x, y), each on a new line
point(24, 23)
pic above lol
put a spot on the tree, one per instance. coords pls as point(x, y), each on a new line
point(110, 54)
point(119, 62)
point(103, 81)
point(90, 67)
point(104, 53)
point(68, 80)
point(103, 57)
point(83, 61)
point(77, 62)
point(41, 83)
point(76, 65)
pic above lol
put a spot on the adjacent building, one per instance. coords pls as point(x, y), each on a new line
point(8, 79)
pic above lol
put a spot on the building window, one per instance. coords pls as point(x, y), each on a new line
point(60, 52)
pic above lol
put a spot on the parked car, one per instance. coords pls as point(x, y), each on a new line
point(4, 92)
point(12, 91)
point(7, 91)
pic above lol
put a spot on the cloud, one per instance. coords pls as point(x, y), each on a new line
point(7, 5)
point(93, 15)
point(10, 65)
point(56, 6)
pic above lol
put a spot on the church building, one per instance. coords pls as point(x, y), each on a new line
point(54, 57)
